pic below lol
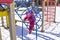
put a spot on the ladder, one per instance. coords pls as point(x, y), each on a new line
point(49, 12)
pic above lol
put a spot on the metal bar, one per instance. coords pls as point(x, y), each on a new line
point(55, 10)
point(22, 30)
point(50, 13)
point(33, 2)
point(47, 9)
point(7, 21)
point(37, 3)
point(12, 22)
point(36, 31)
point(21, 21)
point(0, 34)
point(43, 5)
point(2, 21)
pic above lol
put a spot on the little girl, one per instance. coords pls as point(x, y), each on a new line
point(31, 18)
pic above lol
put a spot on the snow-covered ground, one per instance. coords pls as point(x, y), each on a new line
point(57, 14)
point(51, 33)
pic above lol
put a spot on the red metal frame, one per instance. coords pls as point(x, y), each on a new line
point(6, 1)
point(50, 15)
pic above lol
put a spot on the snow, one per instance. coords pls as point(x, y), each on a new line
point(57, 14)
point(51, 33)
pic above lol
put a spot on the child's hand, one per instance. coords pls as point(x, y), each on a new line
point(26, 19)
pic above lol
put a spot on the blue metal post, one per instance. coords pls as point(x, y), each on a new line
point(36, 31)
point(22, 30)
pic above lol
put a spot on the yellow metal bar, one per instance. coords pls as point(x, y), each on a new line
point(21, 21)
point(7, 21)
point(4, 13)
point(2, 21)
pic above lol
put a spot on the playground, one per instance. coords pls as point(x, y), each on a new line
point(29, 20)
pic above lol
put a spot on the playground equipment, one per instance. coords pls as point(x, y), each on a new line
point(45, 17)
point(6, 1)
point(28, 9)
point(11, 17)
point(49, 12)
point(4, 14)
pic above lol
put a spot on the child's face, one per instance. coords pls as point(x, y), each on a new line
point(32, 12)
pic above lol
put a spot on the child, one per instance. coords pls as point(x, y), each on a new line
point(31, 18)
